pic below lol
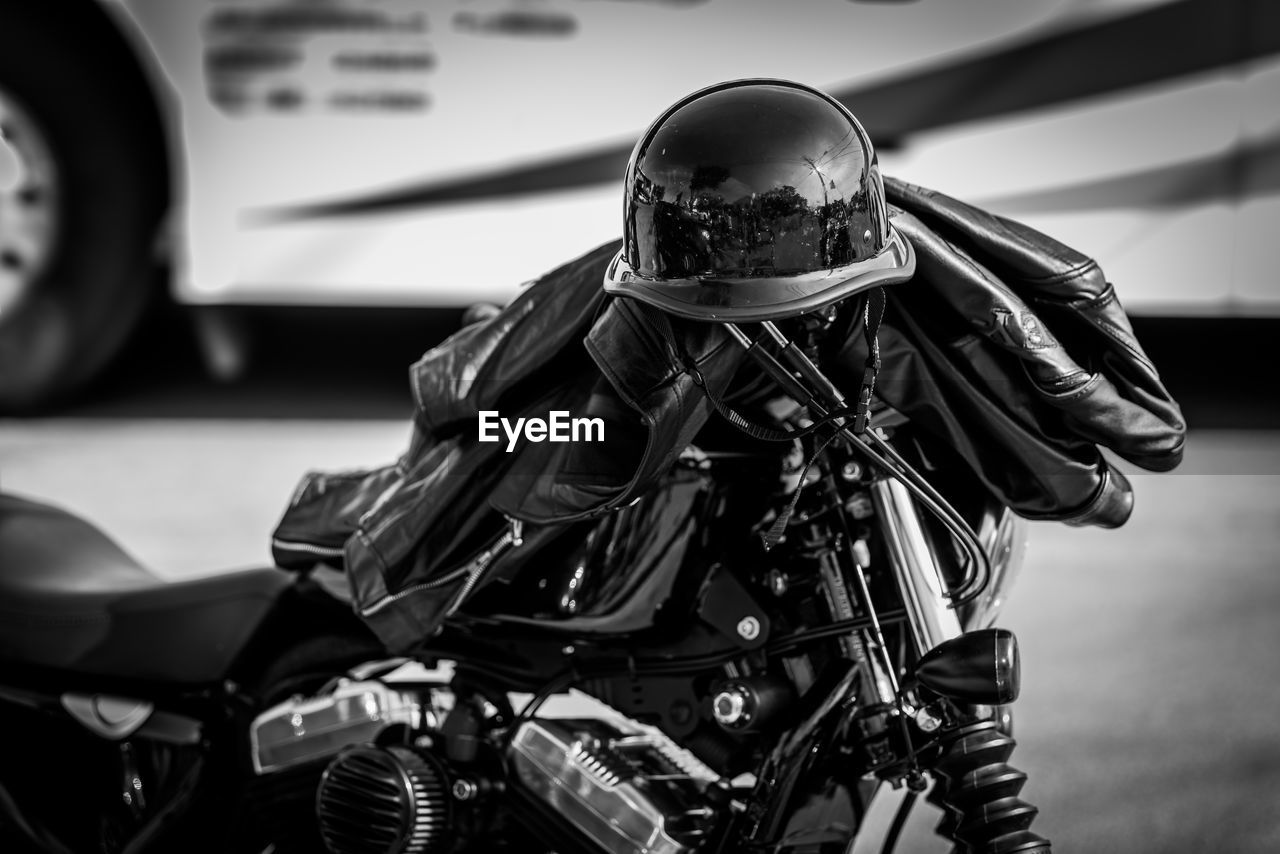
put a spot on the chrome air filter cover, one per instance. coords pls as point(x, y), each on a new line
point(384, 800)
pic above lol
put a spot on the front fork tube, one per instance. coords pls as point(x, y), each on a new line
point(915, 565)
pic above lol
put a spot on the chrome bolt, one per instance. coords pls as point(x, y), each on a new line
point(465, 790)
point(851, 471)
point(730, 707)
point(749, 628)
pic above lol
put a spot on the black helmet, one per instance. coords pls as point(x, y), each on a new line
point(755, 200)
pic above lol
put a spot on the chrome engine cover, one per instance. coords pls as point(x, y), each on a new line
point(304, 729)
point(622, 791)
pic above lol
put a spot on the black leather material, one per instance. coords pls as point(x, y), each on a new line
point(558, 346)
point(400, 525)
point(73, 600)
point(1026, 294)
point(1006, 345)
point(654, 394)
point(1014, 350)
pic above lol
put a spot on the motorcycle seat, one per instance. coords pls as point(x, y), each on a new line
point(72, 600)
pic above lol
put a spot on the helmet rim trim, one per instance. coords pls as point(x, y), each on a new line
point(893, 265)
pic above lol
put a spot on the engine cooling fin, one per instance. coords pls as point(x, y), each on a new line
point(392, 800)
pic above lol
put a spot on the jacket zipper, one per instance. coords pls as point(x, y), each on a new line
point(474, 570)
point(309, 548)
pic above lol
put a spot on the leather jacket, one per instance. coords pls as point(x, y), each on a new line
point(1009, 347)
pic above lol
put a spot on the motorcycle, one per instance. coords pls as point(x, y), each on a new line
point(653, 681)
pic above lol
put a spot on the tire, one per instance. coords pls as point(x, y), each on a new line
point(81, 102)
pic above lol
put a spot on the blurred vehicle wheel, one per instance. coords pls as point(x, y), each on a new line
point(82, 196)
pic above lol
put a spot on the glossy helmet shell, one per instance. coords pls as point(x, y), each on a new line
point(755, 200)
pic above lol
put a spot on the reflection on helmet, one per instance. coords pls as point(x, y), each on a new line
point(754, 200)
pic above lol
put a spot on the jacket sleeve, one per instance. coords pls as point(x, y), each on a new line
point(971, 396)
point(489, 363)
point(1053, 308)
point(1012, 349)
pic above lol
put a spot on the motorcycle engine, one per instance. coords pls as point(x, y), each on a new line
point(404, 773)
point(579, 780)
point(625, 794)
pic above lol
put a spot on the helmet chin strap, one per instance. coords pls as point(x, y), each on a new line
point(813, 389)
